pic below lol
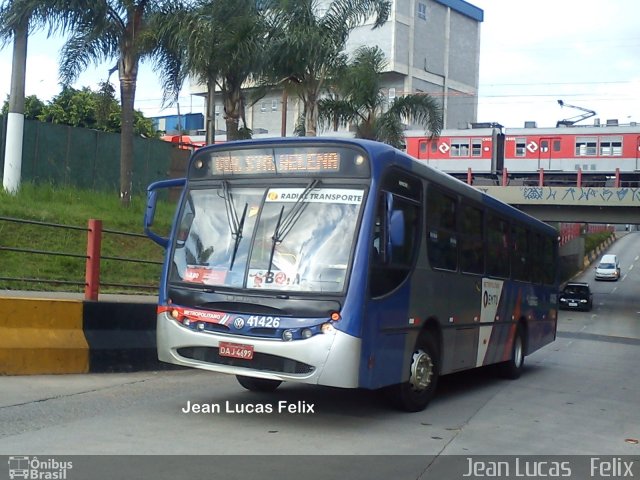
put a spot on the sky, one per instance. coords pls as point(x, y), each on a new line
point(532, 54)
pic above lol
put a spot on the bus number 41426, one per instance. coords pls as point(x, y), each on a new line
point(264, 322)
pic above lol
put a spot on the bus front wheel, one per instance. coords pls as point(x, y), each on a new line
point(414, 395)
point(258, 384)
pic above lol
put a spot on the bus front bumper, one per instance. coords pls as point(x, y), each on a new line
point(330, 359)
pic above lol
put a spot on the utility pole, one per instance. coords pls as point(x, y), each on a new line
point(15, 118)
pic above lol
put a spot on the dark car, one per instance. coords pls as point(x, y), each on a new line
point(576, 296)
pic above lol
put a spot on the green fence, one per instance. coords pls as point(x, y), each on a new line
point(90, 159)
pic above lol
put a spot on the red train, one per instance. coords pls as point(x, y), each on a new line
point(593, 152)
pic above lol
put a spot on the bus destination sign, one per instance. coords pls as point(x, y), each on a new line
point(279, 161)
point(243, 162)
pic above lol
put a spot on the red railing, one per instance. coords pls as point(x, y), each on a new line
point(504, 182)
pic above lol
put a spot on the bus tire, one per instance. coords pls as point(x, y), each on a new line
point(258, 384)
point(415, 395)
point(512, 368)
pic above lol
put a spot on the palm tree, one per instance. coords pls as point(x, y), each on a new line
point(221, 44)
point(363, 105)
point(99, 30)
point(310, 45)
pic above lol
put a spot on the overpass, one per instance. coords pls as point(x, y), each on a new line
point(615, 205)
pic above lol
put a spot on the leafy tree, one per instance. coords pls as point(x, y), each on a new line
point(221, 44)
point(310, 45)
point(98, 30)
point(85, 108)
point(362, 104)
point(71, 107)
point(33, 107)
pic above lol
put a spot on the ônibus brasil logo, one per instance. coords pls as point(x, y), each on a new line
point(38, 469)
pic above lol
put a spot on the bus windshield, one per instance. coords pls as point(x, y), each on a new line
point(285, 238)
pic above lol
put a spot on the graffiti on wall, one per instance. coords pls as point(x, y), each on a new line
point(571, 195)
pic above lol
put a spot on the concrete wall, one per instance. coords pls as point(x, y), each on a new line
point(49, 336)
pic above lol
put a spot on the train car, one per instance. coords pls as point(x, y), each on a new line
point(569, 149)
point(455, 151)
point(597, 152)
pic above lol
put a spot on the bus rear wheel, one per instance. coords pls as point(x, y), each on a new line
point(258, 384)
point(512, 368)
point(415, 395)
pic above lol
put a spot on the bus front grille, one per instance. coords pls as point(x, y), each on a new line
point(260, 361)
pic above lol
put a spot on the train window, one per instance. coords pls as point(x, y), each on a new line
point(476, 147)
point(556, 145)
point(586, 146)
point(460, 148)
point(521, 147)
point(544, 146)
point(442, 241)
point(610, 146)
point(471, 235)
point(497, 247)
point(423, 147)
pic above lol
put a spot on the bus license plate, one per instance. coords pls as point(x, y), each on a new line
point(236, 350)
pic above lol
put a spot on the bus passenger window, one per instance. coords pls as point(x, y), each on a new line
point(471, 247)
point(521, 256)
point(498, 247)
point(442, 240)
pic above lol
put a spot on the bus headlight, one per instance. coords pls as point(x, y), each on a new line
point(327, 328)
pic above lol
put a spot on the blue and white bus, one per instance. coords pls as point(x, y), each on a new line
point(347, 263)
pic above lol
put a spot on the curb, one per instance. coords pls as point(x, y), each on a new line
point(54, 336)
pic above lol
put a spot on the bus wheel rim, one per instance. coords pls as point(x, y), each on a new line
point(421, 370)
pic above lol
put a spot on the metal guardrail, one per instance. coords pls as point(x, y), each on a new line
point(93, 257)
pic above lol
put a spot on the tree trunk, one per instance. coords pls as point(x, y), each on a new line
point(232, 114)
point(127, 97)
point(311, 115)
point(15, 117)
point(211, 112)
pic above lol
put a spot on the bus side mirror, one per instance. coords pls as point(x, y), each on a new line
point(150, 211)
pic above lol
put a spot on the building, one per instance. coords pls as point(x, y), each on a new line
point(190, 123)
point(432, 47)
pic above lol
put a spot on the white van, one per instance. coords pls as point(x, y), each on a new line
point(608, 268)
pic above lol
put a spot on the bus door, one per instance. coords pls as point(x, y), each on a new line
point(395, 245)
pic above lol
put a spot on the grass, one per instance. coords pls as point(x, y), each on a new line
point(594, 240)
point(66, 206)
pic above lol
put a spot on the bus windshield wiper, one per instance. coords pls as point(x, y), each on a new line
point(238, 236)
point(235, 225)
point(284, 226)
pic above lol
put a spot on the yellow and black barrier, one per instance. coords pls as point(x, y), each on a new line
point(52, 336)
